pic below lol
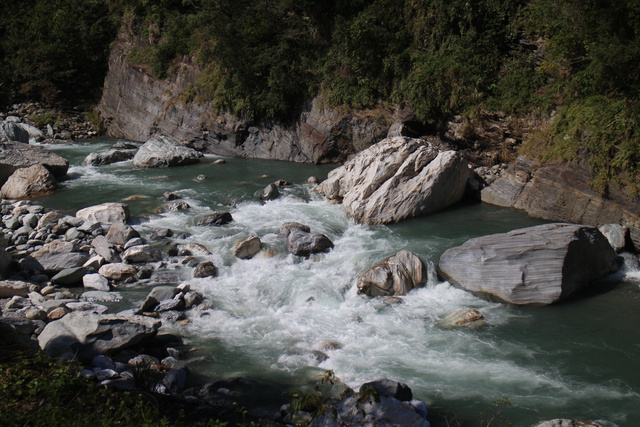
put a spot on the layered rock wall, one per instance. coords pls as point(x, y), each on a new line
point(560, 193)
point(137, 106)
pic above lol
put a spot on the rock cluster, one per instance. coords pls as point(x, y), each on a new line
point(381, 402)
point(57, 125)
point(397, 178)
point(57, 271)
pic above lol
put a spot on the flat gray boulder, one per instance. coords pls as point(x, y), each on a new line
point(89, 334)
point(163, 151)
point(397, 178)
point(531, 266)
point(15, 155)
point(396, 275)
point(55, 257)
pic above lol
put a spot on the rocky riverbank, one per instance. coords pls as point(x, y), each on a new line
point(62, 276)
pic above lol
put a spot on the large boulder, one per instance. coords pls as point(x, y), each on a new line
point(397, 178)
point(396, 275)
point(88, 334)
point(112, 155)
point(531, 266)
point(163, 151)
point(106, 213)
point(29, 182)
point(15, 155)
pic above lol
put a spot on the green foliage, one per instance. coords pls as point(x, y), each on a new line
point(494, 414)
point(54, 50)
point(34, 391)
point(603, 131)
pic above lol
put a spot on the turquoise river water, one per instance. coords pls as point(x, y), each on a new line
point(578, 359)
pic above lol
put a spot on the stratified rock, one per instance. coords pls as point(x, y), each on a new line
point(11, 288)
point(562, 193)
point(88, 334)
point(396, 275)
point(397, 178)
point(205, 269)
point(464, 318)
point(247, 248)
point(531, 266)
point(108, 157)
point(218, 218)
point(142, 253)
point(288, 227)
point(105, 213)
point(117, 271)
point(14, 155)
point(305, 244)
point(163, 151)
point(29, 182)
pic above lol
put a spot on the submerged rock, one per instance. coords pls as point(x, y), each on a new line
point(536, 265)
point(108, 157)
point(396, 275)
point(247, 248)
point(397, 178)
point(305, 244)
point(163, 151)
point(218, 218)
point(464, 318)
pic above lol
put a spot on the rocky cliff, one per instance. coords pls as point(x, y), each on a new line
point(137, 106)
point(562, 193)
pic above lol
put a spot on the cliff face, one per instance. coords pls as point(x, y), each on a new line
point(561, 193)
point(137, 106)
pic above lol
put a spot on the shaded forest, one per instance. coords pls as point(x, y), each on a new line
point(579, 60)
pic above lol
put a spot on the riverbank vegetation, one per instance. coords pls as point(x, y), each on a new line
point(577, 60)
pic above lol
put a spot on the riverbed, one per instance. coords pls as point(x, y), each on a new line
point(276, 318)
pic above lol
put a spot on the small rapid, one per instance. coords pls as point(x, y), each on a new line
point(277, 317)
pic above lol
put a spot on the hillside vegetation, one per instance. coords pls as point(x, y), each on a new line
point(268, 58)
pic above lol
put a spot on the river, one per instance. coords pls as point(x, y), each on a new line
point(578, 359)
